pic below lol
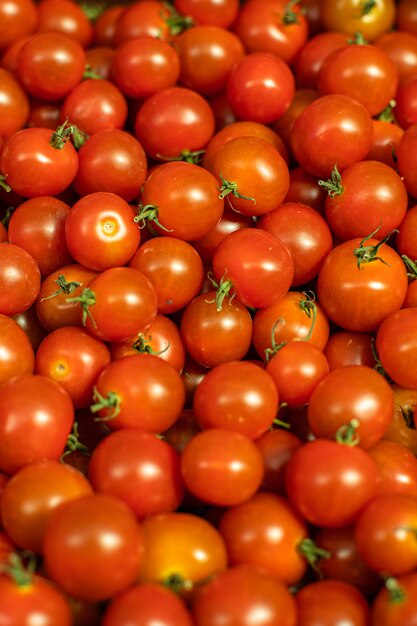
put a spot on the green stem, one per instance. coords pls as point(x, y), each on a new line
point(396, 593)
point(313, 554)
point(223, 290)
point(333, 185)
point(347, 435)
point(357, 40)
point(111, 402)
point(177, 583)
point(7, 215)
point(188, 156)
point(89, 72)
point(143, 346)
point(281, 424)
point(64, 133)
point(411, 267)
point(275, 347)
point(86, 299)
point(3, 183)
point(20, 573)
point(290, 16)
point(387, 115)
point(74, 444)
point(368, 254)
point(308, 305)
point(367, 6)
point(148, 213)
point(175, 21)
point(64, 287)
point(230, 187)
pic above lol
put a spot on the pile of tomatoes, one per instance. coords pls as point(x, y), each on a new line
point(208, 313)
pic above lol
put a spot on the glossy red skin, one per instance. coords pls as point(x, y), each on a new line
point(88, 568)
point(163, 126)
point(284, 125)
point(345, 562)
point(149, 382)
point(318, 484)
point(230, 221)
point(261, 27)
point(225, 398)
point(174, 269)
point(144, 66)
point(187, 198)
point(207, 54)
point(209, 12)
point(346, 16)
point(304, 189)
point(16, 353)
point(297, 324)
point(266, 532)
point(141, 605)
point(384, 534)
point(221, 467)
point(397, 346)
point(276, 447)
point(241, 129)
point(385, 140)
point(162, 338)
point(100, 59)
point(373, 196)
point(30, 324)
point(334, 129)
point(347, 292)
point(57, 312)
point(365, 73)
point(20, 279)
point(14, 108)
point(406, 17)
point(33, 167)
point(120, 466)
point(125, 302)
point(38, 226)
point(32, 494)
point(406, 240)
point(44, 114)
point(18, 19)
point(147, 19)
point(50, 65)
point(36, 418)
point(354, 392)
point(306, 235)
point(406, 103)
point(105, 25)
point(297, 369)
point(258, 264)
point(62, 16)
point(74, 359)
point(259, 172)
point(260, 88)
point(95, 105)
point(181, 544)
point(37, 601)
point(213, 336)
point(401, 47)
point(397, 468)
point(235, 595)
point(347, 348)
point(192, 375)
point(343, 603)
point(114, 161)
point(311, 57)
point(406, 159)
point(385, 612)
point(100, 231)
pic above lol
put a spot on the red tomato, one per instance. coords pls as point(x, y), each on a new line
point(350, 16)
point(406, 156)
point(16, 353)
point(395, 604)
point(62, 16)
point(276, 447)
point(397, 468)
point(346, 348)
point(142, 19)
point(18, 18)
point(93, 547)
point(406, 103)
point(14, 105)
point(138, 468)
point(20, 279)
point(343, 603)
point(211, 12)
point(401, 47)
point(311, 57)
point(397, 346)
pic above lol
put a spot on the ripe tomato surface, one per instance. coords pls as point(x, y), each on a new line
point(16, 353)
point(304, 189)
point(62, 16)
point(343, 603)
point(100, 231)
point(258, 265)
point(356, 294)
point(33, 167)
point(211, 12)
point(142, 391)
point(111, 160)
point(236, 595)
point(276, 447)
point(406, 103)
point(78, 554)
point(173, 267)
point(347, 348)
point(260, 87)
point(238, 396)
point(230, 221)
point(181, 547)
point(14, 106)
point(138, 468)
point(32, 494)
point(350, 16)
point(406, 159)
point(397, 346)
point(284, 125)
point(395, 604)
point(354, 392)
point(50, 65)
point(319, 486)
point(142, 19)
point(221, 467)
point(19, 19)
point(74, 359)
point(144, 603)
point(36, 417)
point(20, 279)
point(402, 429)
point(401, 47)
point(38, 226)
point(334, 129)
point(406, 240)
point(397, 468)
point(186, 198)
point(311, 57)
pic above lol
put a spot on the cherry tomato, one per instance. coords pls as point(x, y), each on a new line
point(14, 105)
point(20, 279)
point(401, 47)
point(276, 447)
point(343, 603)
point(211, 12)
point(18, 18)
point(395, 604)
point(406, 159)
point(16, 353)
point(62, 16)
point(346, 348)
point(397, 347)
point(311, 57)
point(350, 16)
point(397, 468)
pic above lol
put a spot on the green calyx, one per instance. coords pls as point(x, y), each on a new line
point(231, 187)
point(64, 287)
point(64, 133)
point(149, 213)
point(86, 299)
point(142, 345)
point(368, 254)
point(224, 289)
point(313, 554)
point(74, 444)
point(188, 156)
point(3, 183)
point(110, 402)
point(333, 185)
point(176, 22)
point(347, 434)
